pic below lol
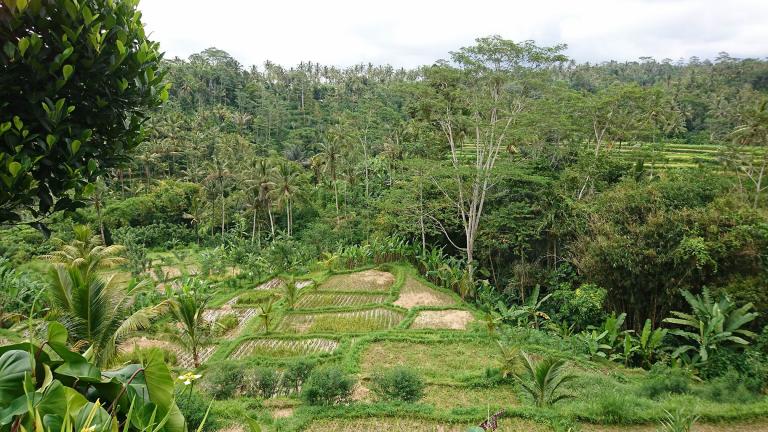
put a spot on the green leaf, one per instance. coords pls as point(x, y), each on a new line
point(57, 333)
point(14, 168)
point(18, 123)
point(74, 146)
point(50, 140)
point(23, 45)
point(67, 71)
point(14, 365)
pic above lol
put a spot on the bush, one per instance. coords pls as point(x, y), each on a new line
point(399, 383)
point(297, 373)
point(328, 385)
point(730, 387)
point(194, 406)
point(582, 306)
point(224, 380)
point(263, 382)
point(665, 380)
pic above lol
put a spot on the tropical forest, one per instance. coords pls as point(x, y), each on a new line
point(504, 238)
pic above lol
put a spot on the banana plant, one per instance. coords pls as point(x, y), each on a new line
point(712, 325)
point(595, 343)
point(651, 342)
point(529, 313)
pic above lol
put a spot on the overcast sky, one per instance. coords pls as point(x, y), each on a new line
point(415, 32)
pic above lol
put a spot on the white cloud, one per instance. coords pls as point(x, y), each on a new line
point(415, 32)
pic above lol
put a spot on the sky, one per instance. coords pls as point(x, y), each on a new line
point(409, 33)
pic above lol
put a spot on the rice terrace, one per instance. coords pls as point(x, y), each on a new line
point(314, 216)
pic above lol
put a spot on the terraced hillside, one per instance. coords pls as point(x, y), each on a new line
point(670, 155)
point(372, 320)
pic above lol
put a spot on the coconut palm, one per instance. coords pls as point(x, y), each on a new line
point(188, 307)
point(330, 153)
point(542, 379)
point(96, 306)
point(288, 183)
point(86, 252)
point(97, 309)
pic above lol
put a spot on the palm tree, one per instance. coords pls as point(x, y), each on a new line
point(261, 188)
point(330, 153)
point(86, 252)
point(96, 306)
point(188, 308)
point(288, 183)
point(542, 379)
point(217, 180)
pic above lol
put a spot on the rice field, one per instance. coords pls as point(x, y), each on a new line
point(284, 347)
point(244, 315)
point(341, 322)
point(367, 281)
point(672, 155)
point(318, 300)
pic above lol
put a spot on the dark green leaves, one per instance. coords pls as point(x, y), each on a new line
point(14, 365)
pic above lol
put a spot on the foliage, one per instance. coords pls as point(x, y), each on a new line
point(297, 374)
point(399, 383)
point(542, 379)
point(263, 382)
point(224, 380)
point(583, 306)
point(194, 405)
point(36, 389)
point(328, 385)
point(678, 421)
point(664, 380)
point(717, 324)
point(187, 306)
point(74, 101)
point(96, 307)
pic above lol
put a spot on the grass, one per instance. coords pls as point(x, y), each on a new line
point(416, 425)
point(444, 362)
point(452, 397)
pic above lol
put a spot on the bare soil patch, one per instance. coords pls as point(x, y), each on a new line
point(282, 413)
point(448, 319)
point(414, 293)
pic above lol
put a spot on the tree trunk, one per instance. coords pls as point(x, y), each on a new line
point(271, 221)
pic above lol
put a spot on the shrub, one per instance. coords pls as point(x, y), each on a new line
point(194, 406)
point(399, 383)
point(224, 380)
point(665, 380)
point(297, 373)
point(582, 306)
point(730, 387)
point(263, 382)
point(328, 385)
